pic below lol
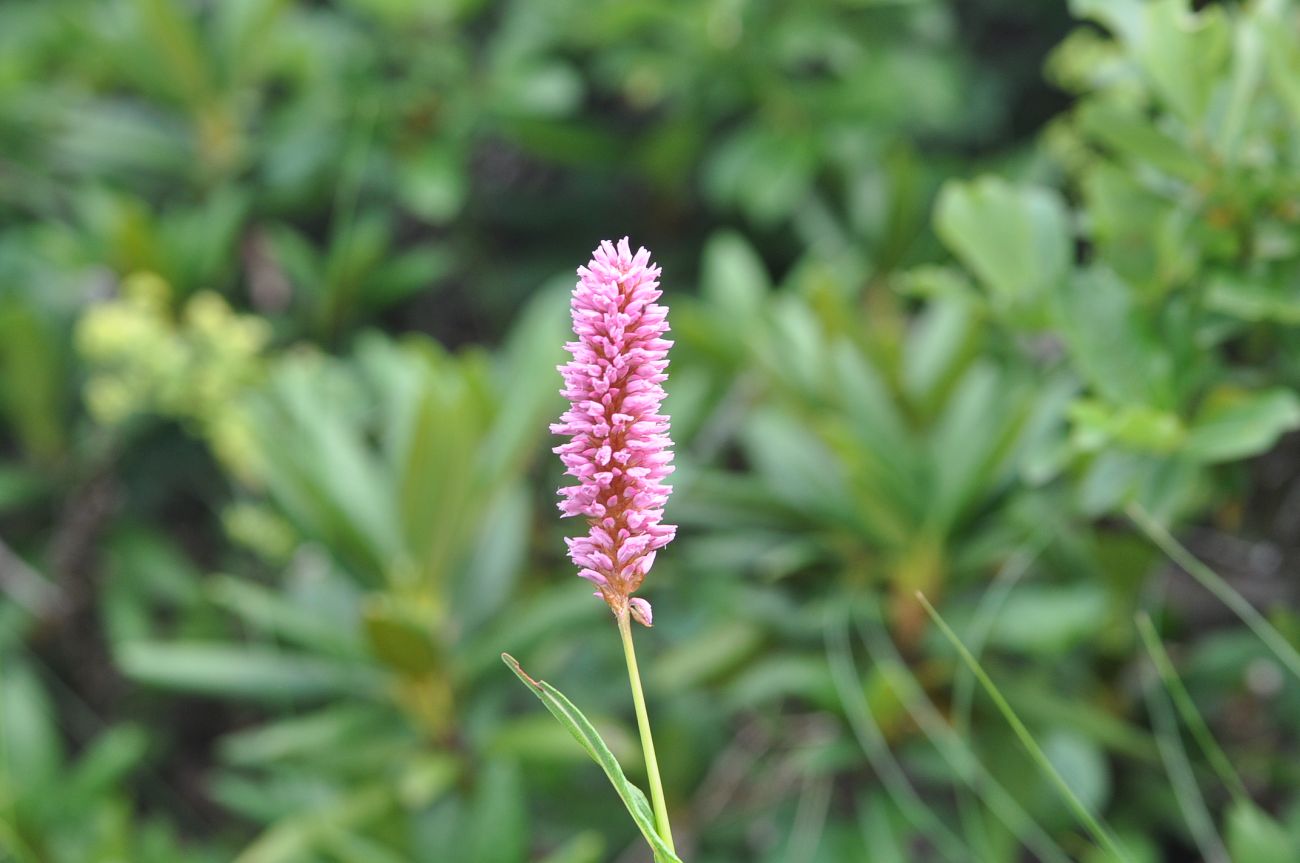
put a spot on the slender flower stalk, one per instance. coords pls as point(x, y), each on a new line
point(619, 449)
point(664, 829)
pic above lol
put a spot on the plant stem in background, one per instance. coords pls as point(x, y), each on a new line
point(647, 741)
point(1187, 709)
point(1099, 831)
point(1214, 583)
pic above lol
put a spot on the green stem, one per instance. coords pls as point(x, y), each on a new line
point(1099, 831)
point(1187, 709)
point(1214, 583)
point(647, 742)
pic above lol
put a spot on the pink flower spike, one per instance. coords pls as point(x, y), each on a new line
point(619, 449)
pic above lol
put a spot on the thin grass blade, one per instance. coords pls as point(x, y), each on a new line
point(1214, 583)
point(1101, 834)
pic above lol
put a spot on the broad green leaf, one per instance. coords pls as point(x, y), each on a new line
point(797, 464)
point(1138, 232)
point(1049, 618)
point(290, 840)
point(106, 763)
point(768, 680)
point(1253, 300)
point(433, 183)
point(1108, 343)
point(331, 728)
point(492, 568)
point(1247, 71)
point(1016, 239)
point(586, 847)
point(426, 778)
point(970, 443)
point(1239, 425)
point(31, 754)
point(1133, 138)
point(497, 829)
point(1081, 764)
point(941, 334)
point(310, 417)
point(1097, 426)
point(243, 672)
point(244, 30)
point(1181, 52)
point(765, 173)
point(527, 385)
point(401, 636)
point(173, 42)
point(281, 615)
point(1184, 53)
point(581, 729)
point(1255, 837)
point(347, 846)
point(734, 279)
point(1284, 68)
point(32, 380)
point(713, 652)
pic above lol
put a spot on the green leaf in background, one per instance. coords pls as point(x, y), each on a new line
point(433, 184)
point(497, 831)
point(400, 636)
point(1130, 137)
point(1017, 239)
point(1082, 765)
point(30, 751)
point(1039, 618)
point(291, 839)
point(243, 672)
point(300, 735)
point(734, 279)
point(939, 337)
point(583, 848)
point(1253, 837)
point(1107, 339)
point(1253, 300)
point(1138, 232)
point(1097, 427)
point(31, 379)
point(583, 731)
point(106, 763)
point(1182, 52)
point(1234, 425)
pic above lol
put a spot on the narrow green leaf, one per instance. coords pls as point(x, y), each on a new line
point(857, 709)
point(955, 750)
point(1187, 710)
point(1213, 582)
point(1178, 767)
point(1102, 834)
point(242, 672)
point(583, 731)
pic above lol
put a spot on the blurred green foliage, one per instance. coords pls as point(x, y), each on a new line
point(955, 286)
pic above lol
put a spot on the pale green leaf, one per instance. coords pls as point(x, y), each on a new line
point(586, 735)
